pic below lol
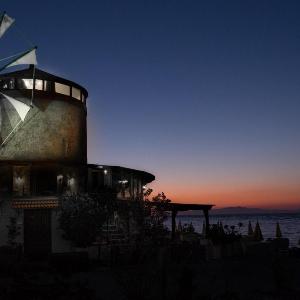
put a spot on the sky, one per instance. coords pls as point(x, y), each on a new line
point(203, 94)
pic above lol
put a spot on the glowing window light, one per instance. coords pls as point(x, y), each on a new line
point(7, 84)
point(71, 182)
point(38, 84)
point(123, 181)
point(47, 86)
point(19, 180)
point(62, 89)
point(60, 177)
point(105, 172)
point(76, 93)
point(26, 84)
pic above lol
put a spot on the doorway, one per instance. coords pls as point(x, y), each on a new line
point(37, 232)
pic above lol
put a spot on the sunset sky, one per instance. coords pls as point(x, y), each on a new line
point(203, 94)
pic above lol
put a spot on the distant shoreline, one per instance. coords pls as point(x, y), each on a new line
point(234, 211)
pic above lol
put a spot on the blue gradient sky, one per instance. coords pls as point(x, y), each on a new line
point(204, 94)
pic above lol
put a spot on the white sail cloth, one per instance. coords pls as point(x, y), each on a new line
point(12, 113)
point(25, 58)
point(21, 108)
point(5, 23)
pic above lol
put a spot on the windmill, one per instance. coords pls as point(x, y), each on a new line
point(13, 111)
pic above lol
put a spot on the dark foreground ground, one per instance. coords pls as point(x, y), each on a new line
point(154, 277)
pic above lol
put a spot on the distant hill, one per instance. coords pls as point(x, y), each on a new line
point(238, 210)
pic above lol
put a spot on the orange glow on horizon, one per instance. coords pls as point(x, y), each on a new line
point(277, 197)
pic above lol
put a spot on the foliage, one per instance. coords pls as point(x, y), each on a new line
point(149, 215)
point(227, 234)
point(188, 228)
point(131, 217)
point(13, 232)
point(83, 215)
point(155, 216)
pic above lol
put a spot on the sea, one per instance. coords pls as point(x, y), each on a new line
point(289, 224)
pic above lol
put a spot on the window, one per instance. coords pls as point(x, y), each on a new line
point(82, 98)
point(39, 84)
point(62, 89)
point(26, 84)
point(7, 84)
point(47, 86)
point(75, 93)
point(11, 84)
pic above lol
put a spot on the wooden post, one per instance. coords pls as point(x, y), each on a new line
point(174, 213)
point(33, 86)
point(206, 221)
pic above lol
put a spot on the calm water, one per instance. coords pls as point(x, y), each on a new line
point(289, 224)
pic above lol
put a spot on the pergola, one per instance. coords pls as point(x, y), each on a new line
point(174, 208)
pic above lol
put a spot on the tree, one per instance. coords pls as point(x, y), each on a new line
point(82, 215)
point(155, 216)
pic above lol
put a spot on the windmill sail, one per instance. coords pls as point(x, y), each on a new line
point(25, 58)
point(13, 113)
point(5, 23)
point(21, 108)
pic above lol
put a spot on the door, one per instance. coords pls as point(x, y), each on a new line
point(37, 232)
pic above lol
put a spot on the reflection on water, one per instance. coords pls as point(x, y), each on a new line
point(289, 224)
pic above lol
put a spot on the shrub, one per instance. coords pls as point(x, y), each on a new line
point(82, 216)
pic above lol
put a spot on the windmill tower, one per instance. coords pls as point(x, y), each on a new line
point(43, 145)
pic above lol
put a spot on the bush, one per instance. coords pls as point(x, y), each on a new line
point(155, 216)
point(82, 216)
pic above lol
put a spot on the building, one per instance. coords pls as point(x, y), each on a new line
point(129, 183)
point(43, 154)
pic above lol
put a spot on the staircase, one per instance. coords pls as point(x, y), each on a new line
point(113, 234)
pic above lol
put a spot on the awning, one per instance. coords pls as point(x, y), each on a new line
point(36, 203)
